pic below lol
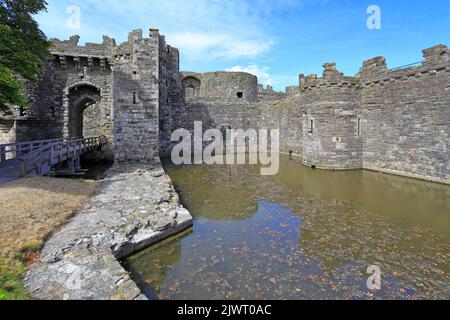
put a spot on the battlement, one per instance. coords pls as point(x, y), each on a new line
point(268, 94)
point(71, 55)
point(331, 78)
point(375, 70)
point(71, 48)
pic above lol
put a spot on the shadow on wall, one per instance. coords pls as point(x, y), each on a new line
point(217, 116)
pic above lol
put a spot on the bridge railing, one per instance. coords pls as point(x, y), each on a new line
point(16, 150)
point(55, 152)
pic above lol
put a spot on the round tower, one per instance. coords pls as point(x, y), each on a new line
point(331, 124)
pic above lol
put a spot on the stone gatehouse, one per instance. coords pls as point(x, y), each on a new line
point(133, 94)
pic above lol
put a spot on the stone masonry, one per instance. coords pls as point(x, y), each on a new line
point(81, 261)
point(105, 90)
point(134, 95)
point(394, 121)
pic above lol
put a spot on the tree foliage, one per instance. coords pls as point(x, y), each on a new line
point(23, 46)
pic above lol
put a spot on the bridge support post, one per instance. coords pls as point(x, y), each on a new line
point(77, 163)
point(22, 167)
point(71, 165)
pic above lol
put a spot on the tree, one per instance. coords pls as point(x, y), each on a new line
point(23, 47)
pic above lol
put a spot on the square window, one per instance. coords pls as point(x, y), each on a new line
point(240, 95)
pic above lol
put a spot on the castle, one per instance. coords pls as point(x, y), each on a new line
point(133, 94)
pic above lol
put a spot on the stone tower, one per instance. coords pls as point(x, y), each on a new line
point(136, 97)
point(331, 136)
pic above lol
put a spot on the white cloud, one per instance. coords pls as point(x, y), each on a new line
point(206, 46)
point(202, 29)
point(261, 72)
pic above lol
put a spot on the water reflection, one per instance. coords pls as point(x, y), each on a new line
point(303, 234)
point(96, 169)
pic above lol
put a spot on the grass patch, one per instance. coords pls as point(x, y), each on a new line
point(31, 209)
point(12, 271)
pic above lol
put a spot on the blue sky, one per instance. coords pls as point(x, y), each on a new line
point(274, 39)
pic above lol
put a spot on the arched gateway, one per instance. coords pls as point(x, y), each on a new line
point(103, 90)
point(84, 103)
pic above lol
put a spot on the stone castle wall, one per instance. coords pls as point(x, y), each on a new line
point(330, 120)
point(102, 90)
point(171, 95)
point(7, 131)
point(76, 79)
point(406, 116)
point(284, 115)
point(136, 98)
point(269, 95)
point(394, 121)
point(133, 94)
point(221, 86)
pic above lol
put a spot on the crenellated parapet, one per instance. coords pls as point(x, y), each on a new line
point(68, 54)
point(437, 55)
point(71, 48)
point(331, 78)
point(375, 71)
point(268, 94)
point(382, 119)
point(374, 68)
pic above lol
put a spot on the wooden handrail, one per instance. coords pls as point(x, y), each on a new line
point(31, 146)
point(20, 148)
point(42, 152)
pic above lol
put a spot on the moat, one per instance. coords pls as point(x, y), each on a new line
point(302, 234)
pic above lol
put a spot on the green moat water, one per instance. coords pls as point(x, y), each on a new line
point(302, 234)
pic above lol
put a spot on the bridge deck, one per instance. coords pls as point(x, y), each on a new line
point(39, 157)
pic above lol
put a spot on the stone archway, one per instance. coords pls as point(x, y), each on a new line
point(191, 87)
point(80, 98)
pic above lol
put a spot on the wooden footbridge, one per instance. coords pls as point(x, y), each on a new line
point(46, 157)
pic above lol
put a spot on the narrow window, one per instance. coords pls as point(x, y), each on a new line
point(134, 97)
point(359, 127)
point(240, 95)
point(311, 126)
point(21, 111)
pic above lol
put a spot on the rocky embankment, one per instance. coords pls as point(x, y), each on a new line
point(135, 206)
